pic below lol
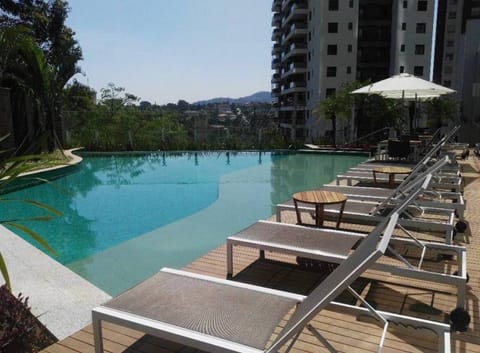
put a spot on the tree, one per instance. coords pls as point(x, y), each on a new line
point(338, 105)
point(45, 23)
point(440, 111)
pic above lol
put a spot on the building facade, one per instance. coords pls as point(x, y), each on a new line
point(320, 45)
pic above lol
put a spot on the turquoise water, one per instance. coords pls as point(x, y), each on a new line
point(127, 216)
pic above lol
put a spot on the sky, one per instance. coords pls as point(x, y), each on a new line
point(166, 50)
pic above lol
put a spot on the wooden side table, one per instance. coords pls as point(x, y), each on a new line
point(391, 171)
point(319, 199)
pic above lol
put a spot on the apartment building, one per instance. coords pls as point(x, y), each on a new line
point(319, 45)
point(457, 63)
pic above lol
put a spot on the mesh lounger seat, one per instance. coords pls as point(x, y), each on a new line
point(330, 245)
point(218, 315)
point(444, 182)
point(432, 198)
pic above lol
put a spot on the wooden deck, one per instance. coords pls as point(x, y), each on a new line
point(347, 333)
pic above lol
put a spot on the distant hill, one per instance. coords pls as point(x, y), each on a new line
point(258, 97)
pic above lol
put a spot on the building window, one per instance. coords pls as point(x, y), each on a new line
point(449, 56)
point(451, 29)
point(447, 70)
point(332, 27)
point(350, 4)
point(333, 5)
point(332, 49)
point(404, 26)
point(330, 92)
point(350, 26)
point(450, 43)
point(402, 47)
point(421, 27)
point(422, 5)
point(349, 48)
point(331, 71)
point(418, 70)
point(349, 69)
point(402, 69)
point(419, 49)
point(447, 83)
point(452, 15)
point(405, 4)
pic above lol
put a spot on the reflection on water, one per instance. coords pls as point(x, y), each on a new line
point(112, 199)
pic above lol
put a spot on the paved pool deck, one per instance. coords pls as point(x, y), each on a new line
point(61, 299)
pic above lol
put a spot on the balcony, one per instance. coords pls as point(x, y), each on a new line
point(295, 68)
point(275, 64)
point(276, 78)
point(294, 87)
point(285, 4)
point(277, 5)
point(276, 49)
point(295, 49)
point(276, 34)
point(276, 20)
point(298, 11)
point(296, 30)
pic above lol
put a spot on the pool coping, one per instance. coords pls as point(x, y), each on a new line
point(61, 299)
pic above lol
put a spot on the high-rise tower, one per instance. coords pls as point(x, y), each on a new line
point(321, 44)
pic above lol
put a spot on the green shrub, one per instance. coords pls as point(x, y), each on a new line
point(20, 330)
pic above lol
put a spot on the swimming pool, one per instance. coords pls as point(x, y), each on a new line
point(126, 216)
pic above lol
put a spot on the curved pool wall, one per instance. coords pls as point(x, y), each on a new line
point(126, 216)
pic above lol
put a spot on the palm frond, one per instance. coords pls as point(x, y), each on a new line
point(4, 272)
point(33, 235)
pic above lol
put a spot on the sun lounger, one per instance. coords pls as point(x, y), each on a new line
point(364, 212)
point(443, 180)
point(218, 315)
point(430, 198)
point(333, 246)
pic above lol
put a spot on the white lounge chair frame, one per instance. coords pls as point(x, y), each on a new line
point(265, 229)
point(306, 308)
point(337, 244)
point(452, 182)
point(446, 227)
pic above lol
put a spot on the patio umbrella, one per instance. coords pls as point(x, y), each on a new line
point(405, 87)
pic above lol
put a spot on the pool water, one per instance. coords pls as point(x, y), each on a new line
point(126, 216)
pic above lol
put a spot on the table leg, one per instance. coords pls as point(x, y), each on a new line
point(391, 180)
point(319, 215)
point(299, 218)
point(374, 177)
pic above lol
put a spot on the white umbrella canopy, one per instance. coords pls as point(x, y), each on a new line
point(405, 86)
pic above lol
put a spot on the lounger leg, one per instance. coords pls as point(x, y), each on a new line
point(229, 259)
point(279, 214)
point(97, 333)
point(322, 339)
